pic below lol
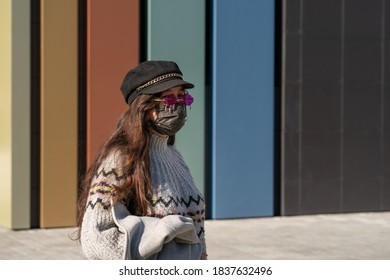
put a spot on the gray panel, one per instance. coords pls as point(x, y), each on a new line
point(362, 155)
point(362, 107)
point(320, 196)
point(321, 106)
point(363, 60)
point(361, 195)
point(363, 16)
point(292, 107)
point(386, 48)
point(320, 155)
point(387, 18)
point(386, 194)
point(340, 95)
point(291, 156)
point(292, 61)
point(321, 57)
point(316, 15)
point(386, 105)
point(293, 16)
point(291, 198)
point(386, 153)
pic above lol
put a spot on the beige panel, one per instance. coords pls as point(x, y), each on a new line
point(58, 113)
point(5, 113)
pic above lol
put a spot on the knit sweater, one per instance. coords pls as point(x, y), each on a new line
point(174, 193)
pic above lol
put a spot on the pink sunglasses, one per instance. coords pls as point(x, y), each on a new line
point(171, 100)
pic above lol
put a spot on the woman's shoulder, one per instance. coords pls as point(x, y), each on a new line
point(112, 163)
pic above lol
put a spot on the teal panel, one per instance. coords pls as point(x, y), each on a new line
point(176, 31)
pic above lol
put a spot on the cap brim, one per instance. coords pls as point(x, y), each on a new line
point(165, 85)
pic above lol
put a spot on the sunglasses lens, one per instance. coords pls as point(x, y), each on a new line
point(170, 100)
point(188, 99)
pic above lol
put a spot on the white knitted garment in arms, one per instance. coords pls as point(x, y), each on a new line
point(174, 192)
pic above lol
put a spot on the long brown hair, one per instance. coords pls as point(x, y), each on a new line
point(131, 139)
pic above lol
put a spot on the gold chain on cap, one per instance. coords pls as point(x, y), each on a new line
point(158, 79)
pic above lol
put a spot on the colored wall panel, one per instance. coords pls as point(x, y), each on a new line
point(6, 112)
point(176, 31)
point(58, 113)
point(15, 114)
point(335, 107)
point(112, 49)
point(243, 108)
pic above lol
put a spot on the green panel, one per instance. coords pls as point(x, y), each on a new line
point(21, 114)
point(176, 31)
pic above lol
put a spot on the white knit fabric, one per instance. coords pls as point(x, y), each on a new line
point(174, 192)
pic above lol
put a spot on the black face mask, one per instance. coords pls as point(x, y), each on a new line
point(169, 119)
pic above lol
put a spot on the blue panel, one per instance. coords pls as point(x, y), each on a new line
point(243, 108)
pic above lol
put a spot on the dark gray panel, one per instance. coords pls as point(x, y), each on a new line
point(386, 106)
point(386, 194)
point(291, 156)
point(320, 155)
point(35, 166)
point(322, 16)
point(386, 171)
point(321, 106)
point(386, 153)
point(361, 195)
point(362, 60)
point(291, 198)
point(293, 8)
point(362, 107)
point(292, 62)
point(320, 196)
point(35, 105)
point(35, 206)
point(321, 57)
point(291, 107)
point(386, 48)
point(362, 157)
point(363, 16)
point(387, 18)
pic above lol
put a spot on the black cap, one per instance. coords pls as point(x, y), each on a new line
point(152, 77)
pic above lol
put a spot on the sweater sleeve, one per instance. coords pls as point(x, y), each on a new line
point(100, 237)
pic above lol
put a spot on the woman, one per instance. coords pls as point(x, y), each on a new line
point(138, 198)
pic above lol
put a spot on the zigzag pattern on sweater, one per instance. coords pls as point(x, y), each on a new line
point(102, 188)
point(108, 173)
point(99, 202)
point(201, 232)
point(197, 217)
point(178, 201)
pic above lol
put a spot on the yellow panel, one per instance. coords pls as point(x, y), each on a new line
point(58, 113)
point(5, 113)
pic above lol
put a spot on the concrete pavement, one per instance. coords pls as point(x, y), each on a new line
point(358, 236)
